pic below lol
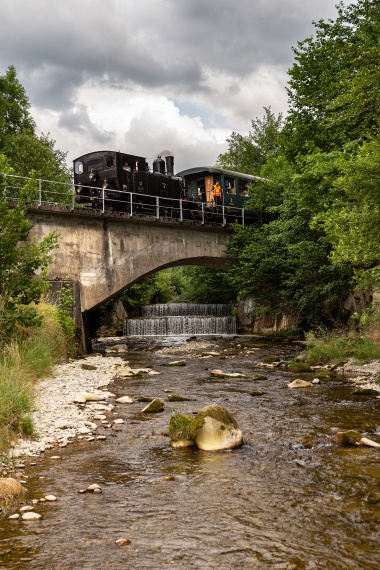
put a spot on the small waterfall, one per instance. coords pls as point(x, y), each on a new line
point(182, 319)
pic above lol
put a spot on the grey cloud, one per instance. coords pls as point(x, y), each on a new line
point(78, 121)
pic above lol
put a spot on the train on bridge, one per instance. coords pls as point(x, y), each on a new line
point(123, 182)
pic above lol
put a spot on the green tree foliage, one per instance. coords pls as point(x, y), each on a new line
point(352, 221)
point(248, 153)
point(25, 151)
point(333, 86)
point(206, 285)
point(14, 107)
point(20, 260)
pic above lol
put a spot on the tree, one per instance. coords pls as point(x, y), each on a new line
point(14, 107)
point(352, 221)
point(333, 86)
point(20, 259)
point(25, 151)
point(248, 154)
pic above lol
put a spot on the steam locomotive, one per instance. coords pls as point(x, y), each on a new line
point(122, 182)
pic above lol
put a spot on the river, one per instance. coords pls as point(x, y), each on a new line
point(289, 498)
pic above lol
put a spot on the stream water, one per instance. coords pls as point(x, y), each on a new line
point(289, 498)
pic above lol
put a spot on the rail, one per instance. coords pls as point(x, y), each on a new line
point(114, 200)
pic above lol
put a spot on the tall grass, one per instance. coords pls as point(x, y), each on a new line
point(22, 361)
point(333, 347)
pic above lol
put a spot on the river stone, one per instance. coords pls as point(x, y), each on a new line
point(26, 508)
point(176, 363)
point(10, 488)
point(298, 383)
point(83, 397)
point(154, 406)
point(86, 366)
point(219, 430)
point(14, 517)
point(124, 400)
point(31, 516)
point(50, 498)
point(222, 374)
point(122, 541)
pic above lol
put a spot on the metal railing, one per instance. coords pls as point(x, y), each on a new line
point(114, 200)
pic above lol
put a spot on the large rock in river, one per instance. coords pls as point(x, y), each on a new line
point(219, 430)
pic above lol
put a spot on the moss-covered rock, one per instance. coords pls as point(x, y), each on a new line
point(219, 431)
point(257, 393)
point(350, 437)
point(174, 398)
point(365, 392)
point(154, 407)
point(183, 430)
point(299, 366)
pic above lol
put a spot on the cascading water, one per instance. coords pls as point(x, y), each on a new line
point(178, 319)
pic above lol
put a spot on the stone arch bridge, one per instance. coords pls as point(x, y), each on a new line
point(104, 253)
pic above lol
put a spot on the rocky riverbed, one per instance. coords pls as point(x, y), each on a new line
point(60, 416)
point(62, 410)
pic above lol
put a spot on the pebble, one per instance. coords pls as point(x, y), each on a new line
point(31, 516)
point(50, 498)
point(122, 541)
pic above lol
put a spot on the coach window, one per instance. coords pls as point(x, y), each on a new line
point(229, 184)
point(109, 161)
point(243, 187)
point(78, 167)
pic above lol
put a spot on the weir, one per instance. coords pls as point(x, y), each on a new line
point(179, 319)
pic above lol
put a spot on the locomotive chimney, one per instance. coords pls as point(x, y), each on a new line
point(169, 165)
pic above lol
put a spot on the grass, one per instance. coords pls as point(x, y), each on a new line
point(22, 361)
point(337, 347)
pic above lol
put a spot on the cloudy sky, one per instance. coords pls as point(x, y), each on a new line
point(144, 76)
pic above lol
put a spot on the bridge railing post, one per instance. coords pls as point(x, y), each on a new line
point(157, 207)
point(224, 215)
point(242, 217)
point(130, 203)
point(72, 197)
point(103, 200)
point(203, 212)
point(180, 211)
point(39, 192)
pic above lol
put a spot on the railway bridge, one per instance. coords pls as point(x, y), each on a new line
point(103, 253)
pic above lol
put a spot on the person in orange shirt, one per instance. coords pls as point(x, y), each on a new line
point(217, 194)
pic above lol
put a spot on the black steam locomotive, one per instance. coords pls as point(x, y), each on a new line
point(120, 182)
